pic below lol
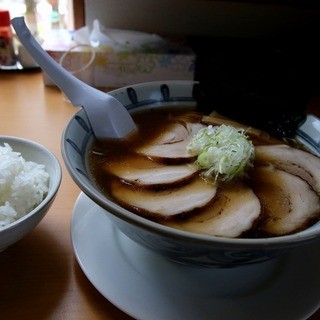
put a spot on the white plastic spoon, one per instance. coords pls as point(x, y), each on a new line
point(109, 119)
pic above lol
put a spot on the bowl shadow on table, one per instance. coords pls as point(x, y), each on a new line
point(95, 299)
point(30, 289)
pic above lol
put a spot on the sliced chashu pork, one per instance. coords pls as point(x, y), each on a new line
point(144, 172)
point(298, 162)
point(234, 211)
point(217, 119)
point(165, 203)
point(287, 201)
point(171, 145)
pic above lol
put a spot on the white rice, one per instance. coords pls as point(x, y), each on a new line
point(23, 185)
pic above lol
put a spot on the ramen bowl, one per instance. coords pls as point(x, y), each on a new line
point(177, 245)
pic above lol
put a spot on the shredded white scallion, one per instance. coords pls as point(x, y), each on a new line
point(223, 151)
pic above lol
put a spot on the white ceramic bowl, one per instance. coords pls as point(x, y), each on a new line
point(35, 152)
point(180, 246)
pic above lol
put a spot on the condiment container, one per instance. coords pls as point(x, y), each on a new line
point(7, 52)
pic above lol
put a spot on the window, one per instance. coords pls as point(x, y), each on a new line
point(42, 16)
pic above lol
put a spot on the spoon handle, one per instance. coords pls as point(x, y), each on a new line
point(67, 83)
point(107, 115)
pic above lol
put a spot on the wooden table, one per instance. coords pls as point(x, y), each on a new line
point(39, 276)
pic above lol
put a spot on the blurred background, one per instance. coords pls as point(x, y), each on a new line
point(260, 54)
point(42, 16)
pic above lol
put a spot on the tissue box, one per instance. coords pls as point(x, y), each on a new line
point(114, 67)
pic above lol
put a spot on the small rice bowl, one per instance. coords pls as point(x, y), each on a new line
point(23, 185)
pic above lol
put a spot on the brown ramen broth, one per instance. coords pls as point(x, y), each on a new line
point(279, 194)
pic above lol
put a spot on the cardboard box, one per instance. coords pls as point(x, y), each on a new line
point(114, 67)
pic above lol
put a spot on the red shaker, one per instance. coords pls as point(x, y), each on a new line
point(7, 52)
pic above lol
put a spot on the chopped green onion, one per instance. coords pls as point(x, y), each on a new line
point(223, 151)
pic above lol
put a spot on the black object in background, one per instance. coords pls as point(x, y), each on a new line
point(266, 83)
